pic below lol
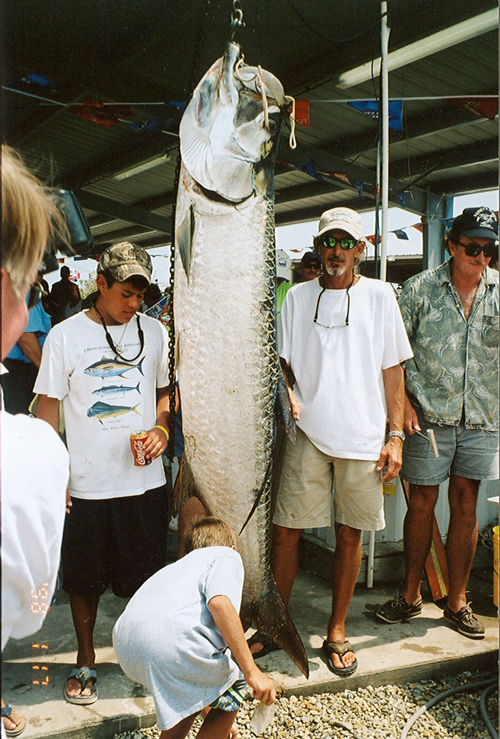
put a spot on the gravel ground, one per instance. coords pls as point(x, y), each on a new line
point(372, 713)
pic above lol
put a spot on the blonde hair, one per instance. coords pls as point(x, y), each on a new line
point(209, 532)
point(30, 218)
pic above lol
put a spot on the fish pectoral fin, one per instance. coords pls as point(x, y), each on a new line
point(184, 240)
point(283, 409)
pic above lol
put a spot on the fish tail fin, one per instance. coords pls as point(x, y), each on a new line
point(139, 366)
point(138, 388)
point(135, 409)
point(271, 617)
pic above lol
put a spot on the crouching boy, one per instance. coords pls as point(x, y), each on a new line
point(174, 634)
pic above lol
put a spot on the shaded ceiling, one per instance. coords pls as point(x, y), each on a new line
point(66, 58)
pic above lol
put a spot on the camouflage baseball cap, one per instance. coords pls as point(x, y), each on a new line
point(124, 260)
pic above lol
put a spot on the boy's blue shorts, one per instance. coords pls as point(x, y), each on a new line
point(232, 699)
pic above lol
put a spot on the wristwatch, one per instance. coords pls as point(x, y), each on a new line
point(399, 434)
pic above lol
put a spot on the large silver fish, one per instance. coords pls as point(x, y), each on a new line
point(228, 367)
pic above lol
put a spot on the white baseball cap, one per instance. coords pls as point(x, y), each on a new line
point(343, 219)
point(283, 265)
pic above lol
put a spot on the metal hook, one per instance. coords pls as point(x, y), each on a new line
point(236, 17)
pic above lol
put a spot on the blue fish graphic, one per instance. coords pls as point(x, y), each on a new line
point(108, 390)
point(103, 410)
point(106, 367)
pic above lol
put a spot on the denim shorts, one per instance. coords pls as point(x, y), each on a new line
point(470, 453)
point(232, 699)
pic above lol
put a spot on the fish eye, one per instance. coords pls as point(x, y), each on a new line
point(274, 120)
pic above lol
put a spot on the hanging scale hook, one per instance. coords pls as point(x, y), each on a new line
point(236, 17)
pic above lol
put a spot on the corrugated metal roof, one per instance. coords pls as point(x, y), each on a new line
point(146, 55)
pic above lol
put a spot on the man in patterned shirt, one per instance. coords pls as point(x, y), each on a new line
point(451, 316)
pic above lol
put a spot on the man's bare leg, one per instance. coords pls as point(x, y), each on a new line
point(417, 537)
point(346, 564)
point(462, 537)
point(284, 564)
point(84, 612)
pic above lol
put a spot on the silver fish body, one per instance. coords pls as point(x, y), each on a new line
point(228, 367)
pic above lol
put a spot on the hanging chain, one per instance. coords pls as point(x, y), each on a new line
point(172, 345)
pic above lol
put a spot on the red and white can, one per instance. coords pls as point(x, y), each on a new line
point(137, 442)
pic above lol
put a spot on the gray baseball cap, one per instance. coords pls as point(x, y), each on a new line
point(124, 260)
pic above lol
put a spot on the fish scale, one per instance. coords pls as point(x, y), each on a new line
point(228, 366)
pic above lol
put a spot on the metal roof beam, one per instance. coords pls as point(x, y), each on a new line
point(415, 199)
point(309, 214)
point(418, 126)
point(480, 152)
point(117, 161)
point(305, 190)
point(467, 185)
point(150, 221)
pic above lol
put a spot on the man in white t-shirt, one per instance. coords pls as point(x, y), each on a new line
point(109, 367)
point(341, 342)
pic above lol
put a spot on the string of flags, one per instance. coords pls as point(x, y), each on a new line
point(96, 111)
point(484, 106)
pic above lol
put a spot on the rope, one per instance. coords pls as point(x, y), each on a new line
point(265, 105)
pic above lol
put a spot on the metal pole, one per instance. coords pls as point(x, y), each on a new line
point(384, 105)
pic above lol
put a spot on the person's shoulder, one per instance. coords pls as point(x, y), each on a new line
point(150, 324)
point(429, 277)
point(492, 276)
point(70, 327)
point(33, 433)
point(376, 287)
point(303, 289)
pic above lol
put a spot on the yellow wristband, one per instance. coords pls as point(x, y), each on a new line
point(164, 430)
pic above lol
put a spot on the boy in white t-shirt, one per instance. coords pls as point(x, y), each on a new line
point(175, 634)
point(109, 368)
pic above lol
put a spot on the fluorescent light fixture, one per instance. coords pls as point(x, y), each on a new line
point(142, 167)
point(439, 41)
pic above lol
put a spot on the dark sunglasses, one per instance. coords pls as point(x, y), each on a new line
point(330, 242)
point(474, 250)
point(36, 294)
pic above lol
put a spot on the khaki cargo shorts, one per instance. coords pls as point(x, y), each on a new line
point(308, 479)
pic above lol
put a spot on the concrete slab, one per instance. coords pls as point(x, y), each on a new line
point(35, 669)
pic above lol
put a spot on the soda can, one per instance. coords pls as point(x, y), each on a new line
point(137, 442)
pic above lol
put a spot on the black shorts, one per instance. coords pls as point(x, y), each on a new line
point(118, 541)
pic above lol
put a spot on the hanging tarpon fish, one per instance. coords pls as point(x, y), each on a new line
point(228, 368)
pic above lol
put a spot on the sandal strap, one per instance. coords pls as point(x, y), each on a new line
point(7, 711)
point(83, 675)
point(340, 648)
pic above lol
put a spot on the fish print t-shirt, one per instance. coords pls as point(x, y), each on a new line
point(105, 400)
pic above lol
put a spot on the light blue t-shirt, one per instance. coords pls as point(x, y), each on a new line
point(38, 323)
point(167, 640)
